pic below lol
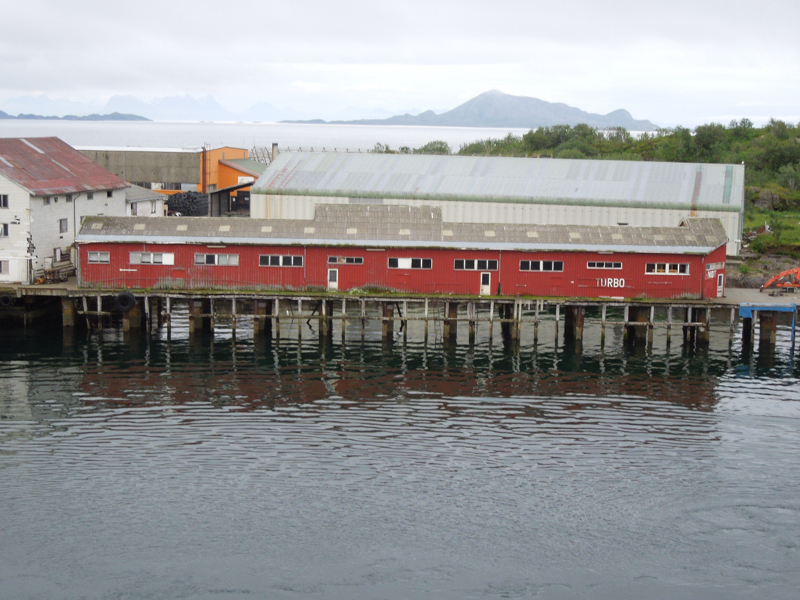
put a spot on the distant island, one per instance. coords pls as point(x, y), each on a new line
point(115, 116)
point(497, 109)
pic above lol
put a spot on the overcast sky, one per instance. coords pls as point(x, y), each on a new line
point(676, 62)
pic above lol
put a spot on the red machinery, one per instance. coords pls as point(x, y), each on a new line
point(788, 281)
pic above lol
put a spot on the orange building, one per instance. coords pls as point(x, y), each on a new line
point(228, 167)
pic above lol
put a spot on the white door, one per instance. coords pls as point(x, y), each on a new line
point(486, 284)
point(720, 285)
point(333, 279)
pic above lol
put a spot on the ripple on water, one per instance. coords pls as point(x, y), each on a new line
point(286, 471)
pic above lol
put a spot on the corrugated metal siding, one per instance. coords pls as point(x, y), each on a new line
point(575, 281)
point(624, 183)
point(710, 278)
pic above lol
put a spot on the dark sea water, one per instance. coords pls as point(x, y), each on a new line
point(228, 467)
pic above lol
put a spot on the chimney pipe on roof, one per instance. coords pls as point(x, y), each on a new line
point(274, 151)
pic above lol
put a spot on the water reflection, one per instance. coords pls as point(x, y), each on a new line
point(227, 466)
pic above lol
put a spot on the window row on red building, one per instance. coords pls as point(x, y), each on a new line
point(424, 270)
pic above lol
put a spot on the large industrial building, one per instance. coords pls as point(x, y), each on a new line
point(171, 170)
point(481, 189)
point(46, 188)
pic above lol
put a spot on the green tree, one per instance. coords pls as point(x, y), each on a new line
point(435, 147)
point(789, 176)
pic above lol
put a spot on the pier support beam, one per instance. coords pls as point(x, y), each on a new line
point(689, 331)
point(67, 312)
point(574, 317)
point(638, 333)
point(388, 320)
point(506, 313)
point(450, 330)
point(704, 331)
point(325, 313)
point(747, 336)
point(195, 320)
point(767, 325)
point(133, 318)
point(471, 312)
point(262, 318)
point(159, 312)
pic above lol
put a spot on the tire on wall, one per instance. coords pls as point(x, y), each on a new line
point(6, 300)
point(125, 302)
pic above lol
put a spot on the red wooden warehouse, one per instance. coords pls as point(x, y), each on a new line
point(405, 249)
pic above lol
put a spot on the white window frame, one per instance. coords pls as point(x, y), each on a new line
point(3, 200)
point(345, 260)
point(408, 263)
point(152, 258)
point(90, 195)
point(63, 225)
point(540, 266)
point(5, 267)
point(667, 269)
point(281, 260)
point(3, 229)
point(98, 257)
point(219, 260)
point(475, 264)
point(601, 264)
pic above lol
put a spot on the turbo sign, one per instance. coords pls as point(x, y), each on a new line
point(610, 282)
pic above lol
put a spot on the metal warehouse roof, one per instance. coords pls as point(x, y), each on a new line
point(396, 226)
point(246, 165)
point(48, 166)
point(490, 178)
point(137, 193)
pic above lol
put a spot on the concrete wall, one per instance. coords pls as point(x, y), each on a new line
point(454, 211)
point(14, 248)
point(146, 166)
point(146, 208)
point(45, 220)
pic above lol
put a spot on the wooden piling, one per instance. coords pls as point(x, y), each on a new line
point(387, 324)
point(471, 318)
point(767, 326)
point(67, 312)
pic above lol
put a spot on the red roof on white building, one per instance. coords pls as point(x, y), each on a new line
point(47, 166)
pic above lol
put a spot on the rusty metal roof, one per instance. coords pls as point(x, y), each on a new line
point(506, 179)
point(409, 226)
point(48, 166)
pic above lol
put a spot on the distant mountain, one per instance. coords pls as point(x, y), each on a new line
point(95, 117)
point(172, 108)
point(43, 105)
point(496, 109)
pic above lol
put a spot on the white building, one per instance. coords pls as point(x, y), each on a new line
point(46, 188)
point(490, 189)
point(144, 203)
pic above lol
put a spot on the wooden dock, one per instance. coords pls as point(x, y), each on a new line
point(692, 320)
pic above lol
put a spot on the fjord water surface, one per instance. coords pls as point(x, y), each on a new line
point(136, 467)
